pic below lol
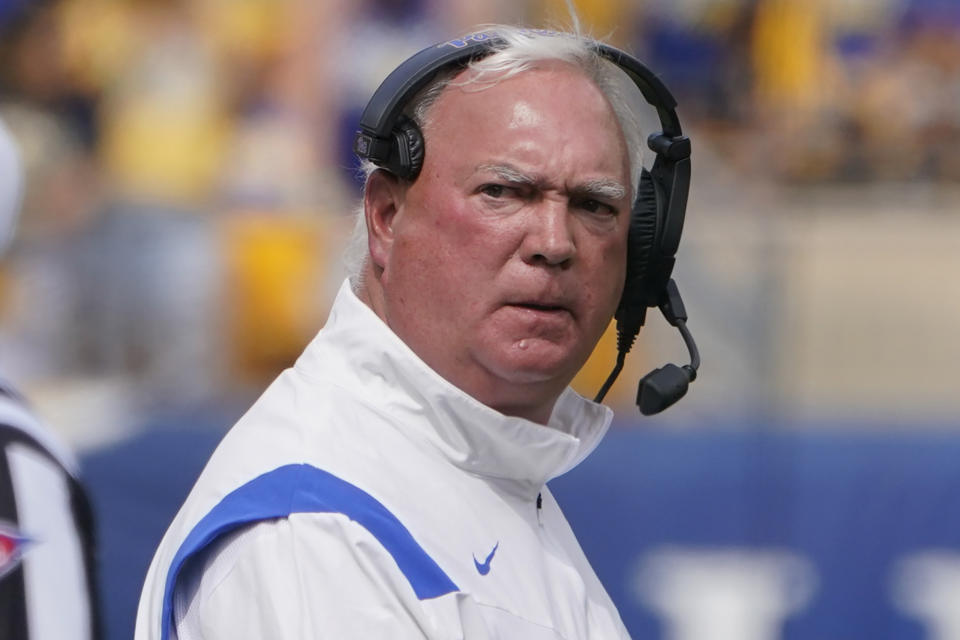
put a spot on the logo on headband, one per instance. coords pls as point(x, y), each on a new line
point(460, 43)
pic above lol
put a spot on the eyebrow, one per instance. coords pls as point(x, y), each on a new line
point(508, 172)
point(607, 189)
point(600, 188)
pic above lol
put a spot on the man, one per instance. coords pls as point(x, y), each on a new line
point(392, 483)
point(47, 585)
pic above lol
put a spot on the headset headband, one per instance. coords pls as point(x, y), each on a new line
point(384, 108)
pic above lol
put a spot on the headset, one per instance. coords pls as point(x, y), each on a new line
point(392, 141)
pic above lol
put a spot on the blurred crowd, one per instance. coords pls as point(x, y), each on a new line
point(189, 174)
point(816, 91)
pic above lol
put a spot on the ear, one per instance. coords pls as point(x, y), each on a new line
point(382, 199)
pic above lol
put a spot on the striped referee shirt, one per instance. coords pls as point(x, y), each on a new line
point(47, 581)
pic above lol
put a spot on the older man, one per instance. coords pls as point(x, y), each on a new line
point(392, 484)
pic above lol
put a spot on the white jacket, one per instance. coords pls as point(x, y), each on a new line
point(364, 496)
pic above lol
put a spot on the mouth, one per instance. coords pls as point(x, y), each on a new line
point(536, 306)
point(545, 308)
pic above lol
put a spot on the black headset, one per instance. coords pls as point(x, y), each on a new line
point(392, 141)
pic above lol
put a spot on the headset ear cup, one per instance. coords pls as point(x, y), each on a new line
point(640, 244)
point(410, 156)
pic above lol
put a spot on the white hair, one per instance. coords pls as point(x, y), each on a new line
point(519, 50)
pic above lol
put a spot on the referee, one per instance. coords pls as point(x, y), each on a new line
point(47, 584)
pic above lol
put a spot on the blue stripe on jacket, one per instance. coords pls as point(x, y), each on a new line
point(301, 488)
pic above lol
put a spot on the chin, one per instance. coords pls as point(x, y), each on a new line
point(536, 364)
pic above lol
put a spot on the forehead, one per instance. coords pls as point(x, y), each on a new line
point(545, 77)
point(553, 105)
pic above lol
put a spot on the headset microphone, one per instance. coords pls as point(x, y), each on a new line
point(661, 387)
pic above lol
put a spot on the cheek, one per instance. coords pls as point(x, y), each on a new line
point(463, 238)
point(617, 271)
point(610, 274)
point(441, 257)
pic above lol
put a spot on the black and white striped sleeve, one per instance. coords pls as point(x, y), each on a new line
point(47, 576)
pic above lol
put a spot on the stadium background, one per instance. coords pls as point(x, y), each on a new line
point(189, 189)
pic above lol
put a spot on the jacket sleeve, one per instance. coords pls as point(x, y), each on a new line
point(310, 575)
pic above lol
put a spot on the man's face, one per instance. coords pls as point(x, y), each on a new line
point(503, 262)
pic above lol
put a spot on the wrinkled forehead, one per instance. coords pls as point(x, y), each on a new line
point(610, 83)
point(550, 93)
point(473, 80)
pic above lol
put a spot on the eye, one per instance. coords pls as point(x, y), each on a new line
point(499, 193)
point(493, 190)
point(595, 206)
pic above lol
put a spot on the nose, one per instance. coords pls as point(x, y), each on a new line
point(549, 237)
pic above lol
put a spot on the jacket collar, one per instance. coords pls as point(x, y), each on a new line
point(369, 360)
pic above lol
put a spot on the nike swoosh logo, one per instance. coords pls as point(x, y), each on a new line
point(483, 568)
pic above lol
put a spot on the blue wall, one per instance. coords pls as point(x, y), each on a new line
point(850, 504)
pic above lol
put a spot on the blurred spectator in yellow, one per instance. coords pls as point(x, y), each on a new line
point(164, 126)
point(793, 81)
point(789, 56)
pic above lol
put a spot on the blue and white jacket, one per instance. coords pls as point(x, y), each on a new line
point(364, 496)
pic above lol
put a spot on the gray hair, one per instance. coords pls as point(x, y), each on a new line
point(521, 50)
